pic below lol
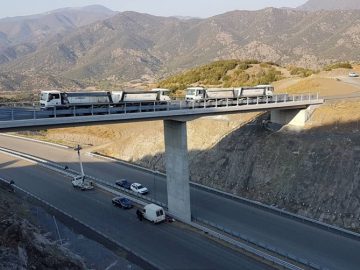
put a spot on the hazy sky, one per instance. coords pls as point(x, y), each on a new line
point(196, 8)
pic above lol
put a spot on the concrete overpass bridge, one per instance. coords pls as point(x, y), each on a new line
point(285, 109)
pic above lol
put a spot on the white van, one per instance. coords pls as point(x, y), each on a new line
point(154, 213)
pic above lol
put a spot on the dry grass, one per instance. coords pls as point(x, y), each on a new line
point(344, 113)
point(323, 86)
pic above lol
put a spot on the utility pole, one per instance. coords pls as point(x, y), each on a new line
point(155, 184)
point(78, 148)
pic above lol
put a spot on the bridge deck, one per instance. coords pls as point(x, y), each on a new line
point(13, 118)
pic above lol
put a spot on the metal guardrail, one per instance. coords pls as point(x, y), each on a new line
point(280, 212)
point(11, 113)
point(73, 173)
point(34, 104)
point(268, 247)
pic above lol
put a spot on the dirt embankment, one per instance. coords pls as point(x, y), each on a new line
point(134, 141)
point(24, 246)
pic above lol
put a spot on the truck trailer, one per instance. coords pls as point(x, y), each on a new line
point(200, 94)
point(57, 99)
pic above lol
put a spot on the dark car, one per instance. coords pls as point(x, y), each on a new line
point(122, 202)
point(123, 183)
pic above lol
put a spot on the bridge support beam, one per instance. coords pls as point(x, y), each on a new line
point(177, 169)
point(294, 117)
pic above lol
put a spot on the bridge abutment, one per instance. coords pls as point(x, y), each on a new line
point(177, 169)
point(293, 117)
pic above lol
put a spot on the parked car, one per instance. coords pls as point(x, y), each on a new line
point(153, 213)
point(122, 202)
point(136, 187)
point(353, 75)
point(123, 183)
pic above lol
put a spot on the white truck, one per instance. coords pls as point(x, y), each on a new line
point(199, 93)
point(153, 213)
point(62, 100)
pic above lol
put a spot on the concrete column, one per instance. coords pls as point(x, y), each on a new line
point(177, 169)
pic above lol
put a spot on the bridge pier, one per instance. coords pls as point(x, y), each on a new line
point(177, 169)
point(292, 117)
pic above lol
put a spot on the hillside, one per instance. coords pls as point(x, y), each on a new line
point(10, 81)
point(133, 46)
point(20, 36)
point(313, 5)
point(223, 73)
point(226, 73)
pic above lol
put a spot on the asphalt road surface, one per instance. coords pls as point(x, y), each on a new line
point(305, 241)
point(166, 245)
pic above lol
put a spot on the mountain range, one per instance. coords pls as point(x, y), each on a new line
point(89, 45)
point(20, 36)
point(313, 5)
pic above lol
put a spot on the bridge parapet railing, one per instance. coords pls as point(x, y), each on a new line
point(32, 111)
point(14, 105)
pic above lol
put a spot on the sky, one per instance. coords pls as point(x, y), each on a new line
point(193, 8)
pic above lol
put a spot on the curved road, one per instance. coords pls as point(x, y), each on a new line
point(350, 81)
point(321, 247)
point(166, 245)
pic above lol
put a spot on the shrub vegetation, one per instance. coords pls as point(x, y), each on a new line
point(224, 73)
point(302, 72)
point(346, 65)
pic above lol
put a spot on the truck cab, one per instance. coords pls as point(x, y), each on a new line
point(163, 94)
point(50, 99)
point(195, 94)
point(269, 89)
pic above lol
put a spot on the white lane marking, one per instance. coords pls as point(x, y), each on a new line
point(111, 265)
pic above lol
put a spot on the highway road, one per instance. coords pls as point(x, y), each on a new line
point(350, 81)
point(166, 245)
point(308, 242)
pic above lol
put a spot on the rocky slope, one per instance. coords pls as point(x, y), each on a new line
point(23, 246)
point(330, 5)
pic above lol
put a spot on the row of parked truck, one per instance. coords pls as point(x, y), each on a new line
point(62, 100)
